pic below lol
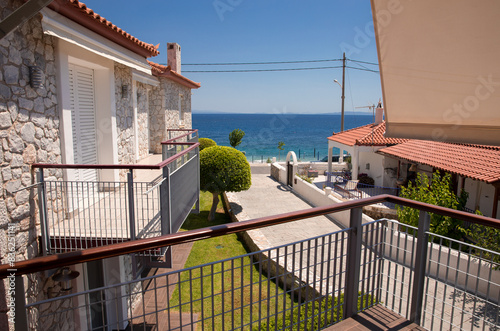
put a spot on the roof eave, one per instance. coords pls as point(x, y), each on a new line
point(75, 14)
point(487, 181)
point(178, 78)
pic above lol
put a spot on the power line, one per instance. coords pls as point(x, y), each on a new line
point(374, 64)
point(256, 63)
point(362, 66)
point(369, 70)
point(262, 70)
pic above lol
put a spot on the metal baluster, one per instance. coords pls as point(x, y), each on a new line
point(131, 208)
point(43, 213)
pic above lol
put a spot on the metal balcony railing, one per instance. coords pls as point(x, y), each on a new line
point(76, 215)
point(431, 280)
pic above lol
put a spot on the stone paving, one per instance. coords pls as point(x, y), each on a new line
point(268, 197)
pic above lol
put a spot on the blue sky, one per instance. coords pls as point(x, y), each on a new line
point(260, 31)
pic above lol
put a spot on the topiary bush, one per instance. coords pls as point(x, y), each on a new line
point(223, 169)
point(205, 143)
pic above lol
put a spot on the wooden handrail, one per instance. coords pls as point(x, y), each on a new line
point(59, 260)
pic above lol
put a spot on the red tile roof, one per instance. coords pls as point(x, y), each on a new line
point(367, 135)
point(77, 11)
point(160, 70)
point(474, 161)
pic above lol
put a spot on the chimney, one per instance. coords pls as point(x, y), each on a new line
point(174, 57)
point(379, 113)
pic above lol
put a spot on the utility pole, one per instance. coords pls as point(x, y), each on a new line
point(343, 94)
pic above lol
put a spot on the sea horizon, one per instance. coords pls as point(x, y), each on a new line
point(305, 134)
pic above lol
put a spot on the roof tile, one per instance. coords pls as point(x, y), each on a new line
point(367, 135)
point(165, 71)
point(478, 162)
point(62, 6)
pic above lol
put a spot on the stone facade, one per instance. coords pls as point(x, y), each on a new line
point(143, 122)
point(164, 110)
point(29, 133)
point(124, 116)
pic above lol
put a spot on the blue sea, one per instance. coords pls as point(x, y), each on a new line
point(306, 135)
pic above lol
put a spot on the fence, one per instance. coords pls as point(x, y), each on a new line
point(81, 214)
point(431, 280)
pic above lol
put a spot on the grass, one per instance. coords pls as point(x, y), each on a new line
point(230, 294)
point(231, 288)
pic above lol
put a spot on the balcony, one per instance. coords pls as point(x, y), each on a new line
point(153, 200)
point(327, 282)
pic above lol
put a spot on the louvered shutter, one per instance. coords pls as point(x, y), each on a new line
point(81, 81)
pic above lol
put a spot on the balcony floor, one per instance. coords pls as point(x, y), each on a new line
point(375, 318)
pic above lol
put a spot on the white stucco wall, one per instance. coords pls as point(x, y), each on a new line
point(390, 171)
point(375, 163)
point(481, 196)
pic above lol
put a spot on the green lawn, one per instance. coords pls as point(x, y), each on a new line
point(236, 291)
point(235, 294)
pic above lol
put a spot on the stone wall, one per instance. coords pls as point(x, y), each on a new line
point(164, 111)
point(29, 132)
point(142, 120)
point(157, 132)
point(124, 117)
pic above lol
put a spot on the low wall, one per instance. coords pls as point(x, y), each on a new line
point(320, 166)
point(447, 265)
point(315, 196)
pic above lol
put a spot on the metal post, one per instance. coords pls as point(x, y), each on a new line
point(42, 210)
point(131, 204)
point(424, 222)
point(21, 316)
point(165, 215)
point(343, 94)
point(353, 263)
point(197, 208)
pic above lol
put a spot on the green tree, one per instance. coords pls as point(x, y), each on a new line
point(235, 137)
point(281, 146)
point(485, 237)
point(223, 169)
point(437, 192)
point(205, 143)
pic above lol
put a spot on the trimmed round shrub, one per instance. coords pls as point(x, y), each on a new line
point(224, 169)
point(205, 143)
